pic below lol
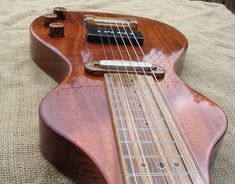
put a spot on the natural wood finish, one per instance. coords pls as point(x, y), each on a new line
point(144, 126)
point(75, 117)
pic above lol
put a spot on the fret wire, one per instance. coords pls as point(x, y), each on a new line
point(136, 111)
point(157, 156)
point(150, 103)
point(153, 141)
point(162, 174)
point(144, 139)
point(136, 93)
point(142, 124)
point(148, 129)
point(141, 119)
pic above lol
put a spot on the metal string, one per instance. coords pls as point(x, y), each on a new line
point(122, 59)
point(165, 99)
point(126, 99)
point(147, 103)
point(135, 70)
point(119, 113)
point(140, 84)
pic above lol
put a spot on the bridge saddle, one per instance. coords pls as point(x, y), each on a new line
point(119, 66)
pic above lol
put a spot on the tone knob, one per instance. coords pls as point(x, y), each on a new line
point(56, 30)
point(60, 12)
point(49, 18)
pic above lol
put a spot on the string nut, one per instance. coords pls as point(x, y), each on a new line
point(49, 18)
point(56, 30)
point(60, 12)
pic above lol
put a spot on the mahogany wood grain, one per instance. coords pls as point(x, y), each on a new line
point(76, 132)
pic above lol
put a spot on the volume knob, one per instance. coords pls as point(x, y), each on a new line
point(60, 12)
point(56, 30)
point(49, 18)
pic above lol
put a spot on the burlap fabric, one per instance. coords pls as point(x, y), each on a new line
point(209, 68)
point(230, 4)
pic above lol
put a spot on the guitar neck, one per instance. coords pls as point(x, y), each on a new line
point(151, 146)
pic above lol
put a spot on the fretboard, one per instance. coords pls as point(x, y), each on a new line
point(151, 147)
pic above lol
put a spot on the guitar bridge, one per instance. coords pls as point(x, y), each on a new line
point(119, 66)
point(112, 30)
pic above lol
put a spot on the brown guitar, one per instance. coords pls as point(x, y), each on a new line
point(120, 113)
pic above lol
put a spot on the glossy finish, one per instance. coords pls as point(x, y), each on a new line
point(76, 130)
point(56, 30)
point(49, 18)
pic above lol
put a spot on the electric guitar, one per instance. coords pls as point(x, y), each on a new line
point(120, 113)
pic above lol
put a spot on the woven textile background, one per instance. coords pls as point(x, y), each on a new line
point(209, 68)
point(230, 4)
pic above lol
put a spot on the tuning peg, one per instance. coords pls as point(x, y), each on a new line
point(60, 12)
point(56, 30)
point(49, 18)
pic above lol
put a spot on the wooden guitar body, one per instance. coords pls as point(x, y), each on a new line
point(76, 133)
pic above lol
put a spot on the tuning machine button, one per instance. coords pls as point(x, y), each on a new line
point(49, 18)
point(56, 30)
point(60, 12)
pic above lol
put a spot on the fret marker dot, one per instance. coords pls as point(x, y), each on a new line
point(160, 165)
point(143, 164)
point(177, 164)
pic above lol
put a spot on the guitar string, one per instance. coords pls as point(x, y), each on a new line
point(140, 84)
point(119, 30)
point(114, 58)
point(126, 99)
point(169, 108)
point(137, 42)
point(163, 147)
point(147, 103)
point(141, 88)
point(119, 113)
point(163, 114)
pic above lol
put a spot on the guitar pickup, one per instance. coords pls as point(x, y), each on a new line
point(120, 66)
point(112, 30)
point(114, 36)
